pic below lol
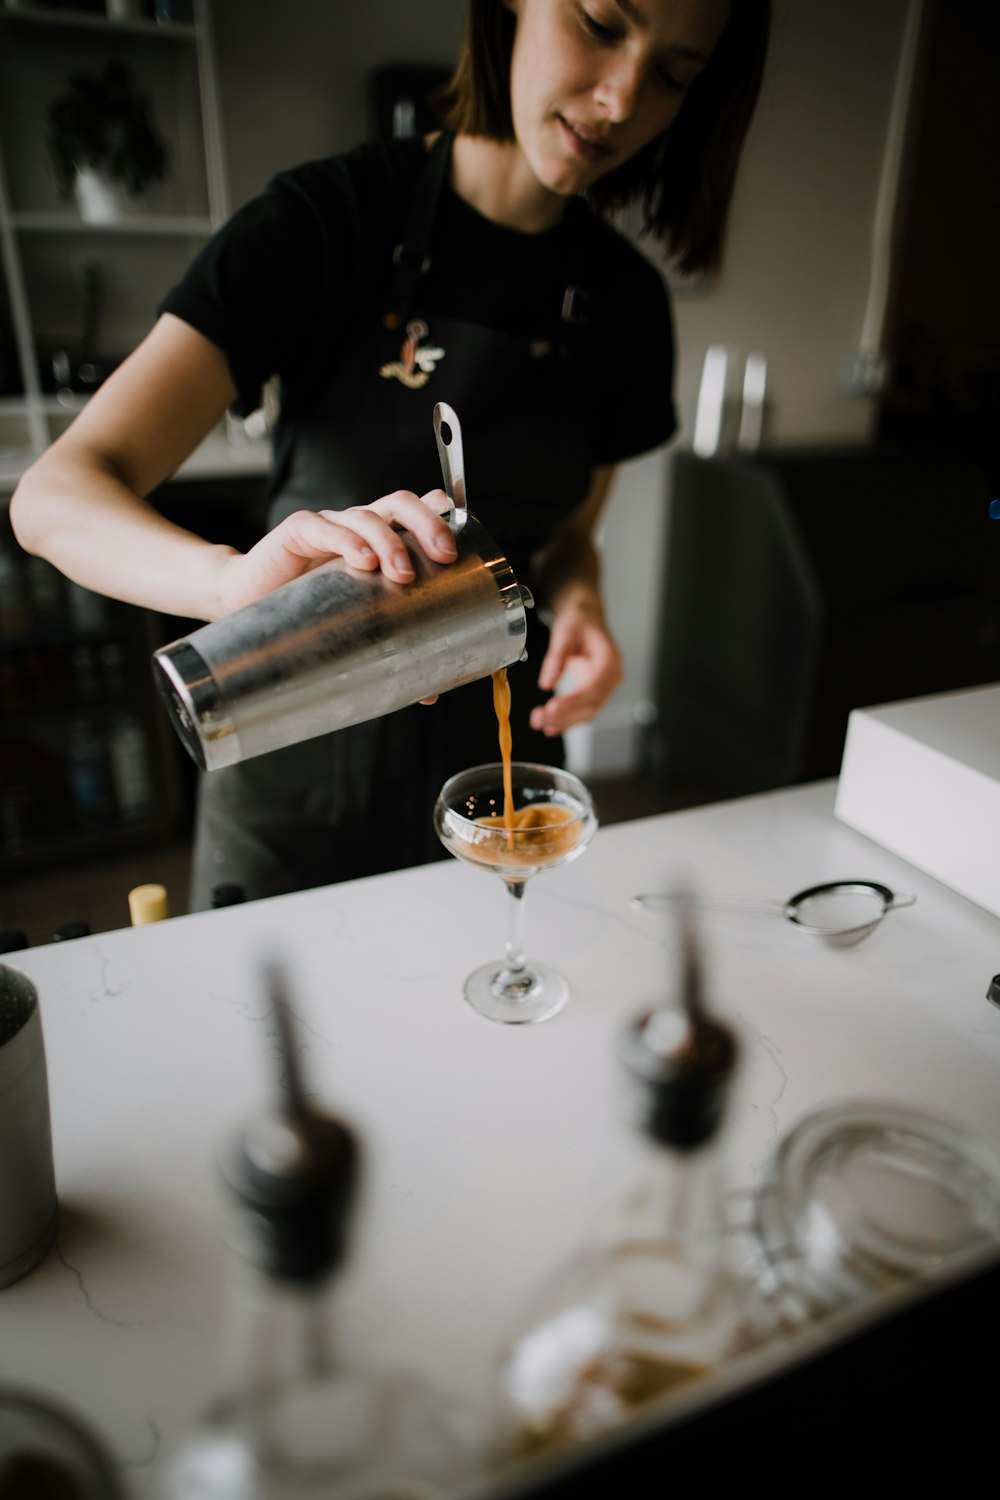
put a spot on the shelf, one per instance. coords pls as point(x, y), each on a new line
point(12, 466)
point(16, 406)
point(41, 16)
point(39, 718)
point(215, 458)
point(139, 224)
point(54, 269)
point(78, 843)
point(66, 637)
point(223, 454)
point(218, 457)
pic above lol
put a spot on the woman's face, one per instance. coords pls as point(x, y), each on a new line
point(593, 81)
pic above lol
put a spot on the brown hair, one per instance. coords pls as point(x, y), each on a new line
point(683, 181)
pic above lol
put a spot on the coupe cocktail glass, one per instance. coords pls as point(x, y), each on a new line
point(554, 822)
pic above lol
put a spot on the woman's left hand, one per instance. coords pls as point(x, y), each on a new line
point(580, 645)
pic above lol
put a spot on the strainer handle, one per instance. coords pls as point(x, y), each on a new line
point(664, 900)
point(448, 433)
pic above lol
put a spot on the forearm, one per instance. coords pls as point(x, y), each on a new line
point(567, 571)
point(76, 512)
point(568, 574)
point(582, 666)
point(82, 505)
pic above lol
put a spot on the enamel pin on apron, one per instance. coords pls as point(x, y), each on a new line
point(416, 363)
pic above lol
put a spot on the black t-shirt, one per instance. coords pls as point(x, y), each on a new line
point(277, 285)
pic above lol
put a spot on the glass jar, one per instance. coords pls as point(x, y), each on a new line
point(863, 1199)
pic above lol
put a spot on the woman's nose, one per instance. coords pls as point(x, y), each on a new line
point(618, 89)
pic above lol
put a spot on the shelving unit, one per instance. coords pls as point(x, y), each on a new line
point(89, 767)
point(83, 290)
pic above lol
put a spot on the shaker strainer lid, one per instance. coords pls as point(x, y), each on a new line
point(863, 1198)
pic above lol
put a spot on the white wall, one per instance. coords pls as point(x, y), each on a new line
point(795, 279)
point(793, 286)
point(292, 77)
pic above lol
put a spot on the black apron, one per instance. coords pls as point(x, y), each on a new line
point(360, 801)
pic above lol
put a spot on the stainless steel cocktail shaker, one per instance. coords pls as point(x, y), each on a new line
point(338, 646)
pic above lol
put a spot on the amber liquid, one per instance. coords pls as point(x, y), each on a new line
point(501, 704)
point(627, 1384)
point(535, 835)
point(540, 835)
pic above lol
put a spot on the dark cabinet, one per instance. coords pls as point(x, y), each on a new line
point(802, 584)
point(86, 766)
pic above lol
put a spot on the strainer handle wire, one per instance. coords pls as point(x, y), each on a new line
point(660, 900)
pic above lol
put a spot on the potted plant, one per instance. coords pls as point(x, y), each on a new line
point(102, 143)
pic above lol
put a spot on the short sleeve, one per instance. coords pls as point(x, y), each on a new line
point(631, 365)
point(273, 285)
point(255, 289)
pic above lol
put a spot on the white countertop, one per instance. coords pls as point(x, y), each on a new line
point(490, 1151)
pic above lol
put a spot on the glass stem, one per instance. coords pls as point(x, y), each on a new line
point(514, 948)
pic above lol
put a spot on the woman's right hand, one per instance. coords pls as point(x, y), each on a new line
point(365, 536)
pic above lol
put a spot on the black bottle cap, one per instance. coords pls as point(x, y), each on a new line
point(681, 1059)
point(70, 930)
point(293, 1172)
point(13, 941)
point(683, 1072)
point(294, 1181)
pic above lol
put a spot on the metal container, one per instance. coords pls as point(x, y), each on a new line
point(27, 1178)
point(338, 646)
point(48, 1450)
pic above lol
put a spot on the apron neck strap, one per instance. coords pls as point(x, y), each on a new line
point(412, 258)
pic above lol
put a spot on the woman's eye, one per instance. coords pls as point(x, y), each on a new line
point(596, 28)
point(669, 82)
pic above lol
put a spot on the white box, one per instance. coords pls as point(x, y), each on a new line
point(922, 778)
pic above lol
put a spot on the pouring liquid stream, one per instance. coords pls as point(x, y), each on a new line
point(540, 815)
point(543, 830)
point(501, 705)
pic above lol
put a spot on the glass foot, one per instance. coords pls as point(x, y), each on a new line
point(516, 997)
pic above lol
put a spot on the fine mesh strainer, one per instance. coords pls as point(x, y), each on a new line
point(839, 911)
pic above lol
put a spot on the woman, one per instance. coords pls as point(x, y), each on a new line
point(472, 267)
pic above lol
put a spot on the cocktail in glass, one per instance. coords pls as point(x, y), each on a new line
point(553, 821)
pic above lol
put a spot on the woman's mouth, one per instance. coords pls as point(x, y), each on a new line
point(586, 145)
